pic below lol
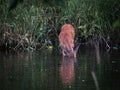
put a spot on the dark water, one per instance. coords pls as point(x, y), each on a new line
point(50, 71)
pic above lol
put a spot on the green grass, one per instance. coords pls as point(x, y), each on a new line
point(38, 24)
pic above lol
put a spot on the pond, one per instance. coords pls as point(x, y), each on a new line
point(45, 70)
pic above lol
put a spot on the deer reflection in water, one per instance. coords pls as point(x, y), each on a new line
point(67, 70)
point(69, 51)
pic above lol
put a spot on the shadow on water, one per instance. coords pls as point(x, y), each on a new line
point(44, 70)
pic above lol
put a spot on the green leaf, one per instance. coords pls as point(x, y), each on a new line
point(116, 23)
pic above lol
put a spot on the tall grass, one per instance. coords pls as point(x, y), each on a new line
point(34, 25)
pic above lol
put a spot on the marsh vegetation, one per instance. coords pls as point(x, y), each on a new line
point(36, 24)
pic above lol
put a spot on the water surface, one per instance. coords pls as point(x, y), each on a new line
point(44, 70)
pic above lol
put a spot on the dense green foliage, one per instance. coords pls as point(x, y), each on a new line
point(34, 24)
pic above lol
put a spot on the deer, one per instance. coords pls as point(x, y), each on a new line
point(66, 39)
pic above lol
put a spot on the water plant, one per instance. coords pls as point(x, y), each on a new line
point(34, 25)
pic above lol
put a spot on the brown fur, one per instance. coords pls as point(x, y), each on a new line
point(66, 39)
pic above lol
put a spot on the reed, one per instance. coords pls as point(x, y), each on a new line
point(36, 24)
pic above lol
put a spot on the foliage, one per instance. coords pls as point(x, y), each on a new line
point(37, 23)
